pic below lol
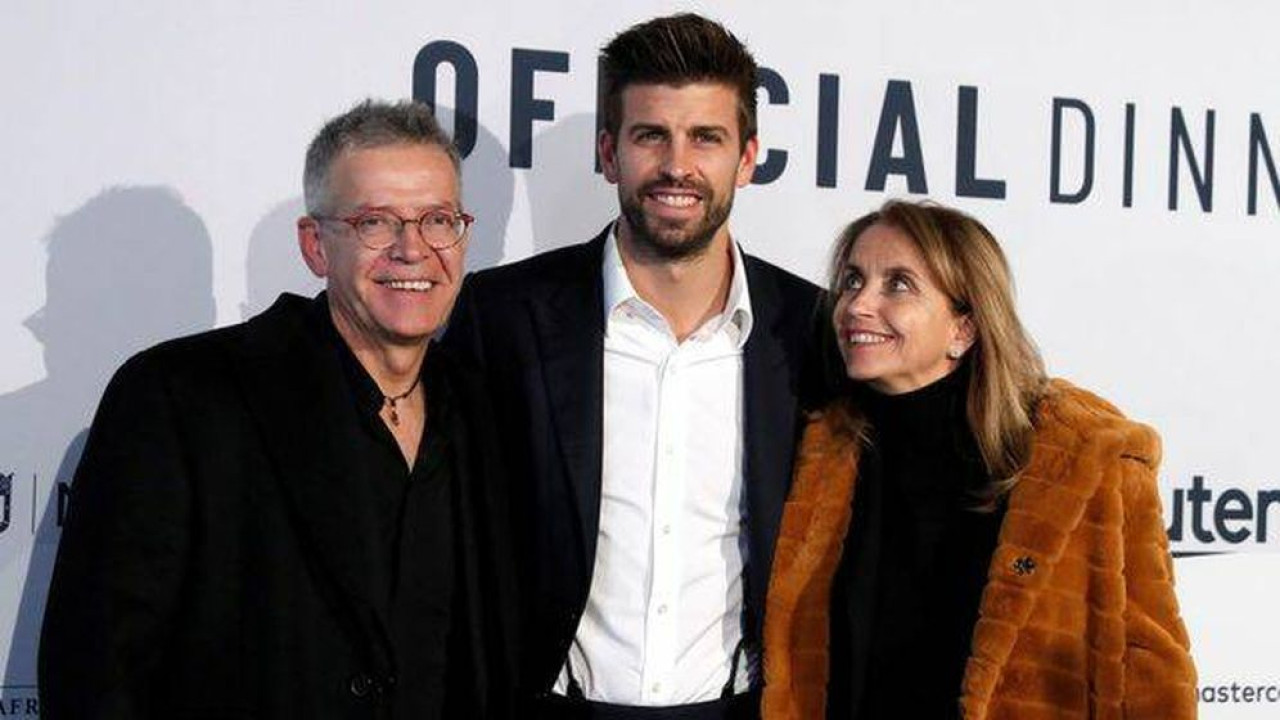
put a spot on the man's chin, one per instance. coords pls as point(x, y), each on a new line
point(411, 339)
point(674, 243)
point(677, 248)
point(409, 333)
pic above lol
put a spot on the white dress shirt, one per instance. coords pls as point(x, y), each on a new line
point(664, 613)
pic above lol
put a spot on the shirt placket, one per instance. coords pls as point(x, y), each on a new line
point(661, 608)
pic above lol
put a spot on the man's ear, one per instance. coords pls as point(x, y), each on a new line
point(312, 247)
point(747, 162)
point(607, 147)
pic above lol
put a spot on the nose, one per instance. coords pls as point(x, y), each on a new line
point(410, 245)
point(678, 160)
point(859, 303)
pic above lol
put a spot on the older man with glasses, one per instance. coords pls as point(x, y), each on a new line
point(296, 516)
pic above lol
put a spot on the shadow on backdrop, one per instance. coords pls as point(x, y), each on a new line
point(274, 263)
point(488, 190)
point(131, 267)
point(568, 202)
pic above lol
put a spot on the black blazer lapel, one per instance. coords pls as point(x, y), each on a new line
point(769, 429)
point(570, 330)
point(303, 412)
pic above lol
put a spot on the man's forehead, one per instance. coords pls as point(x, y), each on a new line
point(400, 172)
point(697, 103)
point(393, 153)
point(708, 93)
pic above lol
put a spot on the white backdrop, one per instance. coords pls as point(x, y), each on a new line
point(153, 171)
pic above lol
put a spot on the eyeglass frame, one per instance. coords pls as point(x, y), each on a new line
point(466, 219)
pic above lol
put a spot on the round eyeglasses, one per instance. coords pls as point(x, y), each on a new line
point(379, 228)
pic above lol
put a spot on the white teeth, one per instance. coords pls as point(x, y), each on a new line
point(866, 338)
point(411, 285)
point(675, 200)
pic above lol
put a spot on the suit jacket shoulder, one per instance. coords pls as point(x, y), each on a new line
point(792, 321)
point(789, 285)
point(539, 274)
point(195, 356)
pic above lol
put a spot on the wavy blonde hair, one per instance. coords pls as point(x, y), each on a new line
point(1008, 377)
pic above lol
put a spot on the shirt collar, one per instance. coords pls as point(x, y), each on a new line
point(618, 290)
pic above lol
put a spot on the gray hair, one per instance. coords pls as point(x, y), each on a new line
point(370, 124)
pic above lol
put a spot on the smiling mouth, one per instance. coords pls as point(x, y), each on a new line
point(863, 337)
point(675, 195)
point(408, 285)
point(675, 200)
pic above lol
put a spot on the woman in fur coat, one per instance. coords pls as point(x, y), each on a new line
point(964, 536)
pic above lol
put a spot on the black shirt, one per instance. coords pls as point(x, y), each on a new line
point(409, 511)
point(917, 532)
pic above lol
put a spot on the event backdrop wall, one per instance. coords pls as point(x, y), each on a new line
point(1125, 153)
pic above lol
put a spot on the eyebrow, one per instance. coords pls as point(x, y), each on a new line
point(892, 270)
point(901, 270)
point(447, 206)
point(645, 127)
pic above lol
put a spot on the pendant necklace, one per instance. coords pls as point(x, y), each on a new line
point(391, 400)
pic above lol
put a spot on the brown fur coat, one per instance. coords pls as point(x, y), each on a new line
point(1078, 618)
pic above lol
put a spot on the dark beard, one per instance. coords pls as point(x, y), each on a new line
point(674, 243)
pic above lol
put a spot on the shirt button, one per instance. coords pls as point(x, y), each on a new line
point(657, 688)
point(666, 529)
point(662, 609)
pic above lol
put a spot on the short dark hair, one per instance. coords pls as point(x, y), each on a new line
point(370, 124)
point(676, 50)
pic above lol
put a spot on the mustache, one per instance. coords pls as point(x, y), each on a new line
point(673, 184)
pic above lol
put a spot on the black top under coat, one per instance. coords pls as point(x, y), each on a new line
point(906, 594)
point(408, 511)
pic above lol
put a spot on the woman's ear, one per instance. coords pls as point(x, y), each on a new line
point(962, 338)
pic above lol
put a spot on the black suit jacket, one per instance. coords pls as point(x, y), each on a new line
point(210, 566)
point(535, 330)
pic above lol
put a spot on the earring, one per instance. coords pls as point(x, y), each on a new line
point(954, 353)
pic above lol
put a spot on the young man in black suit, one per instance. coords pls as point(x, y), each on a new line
point(293, 517)
point(647, 385)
